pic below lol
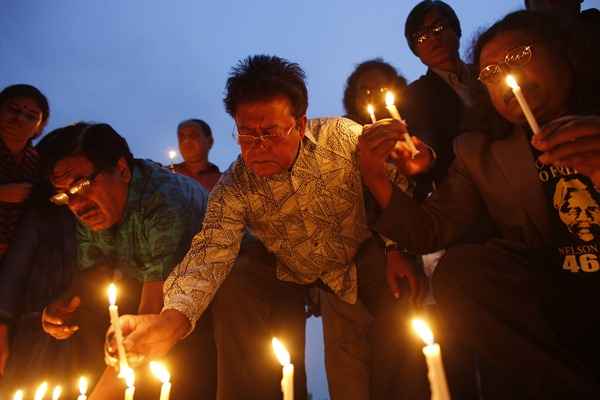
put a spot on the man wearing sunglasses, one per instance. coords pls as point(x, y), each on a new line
point(437, 103)
point(297, 188)
point(136, 221)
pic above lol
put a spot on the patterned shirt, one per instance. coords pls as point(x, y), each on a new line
point(163, 213)
point(311, 217)
point(12, 171)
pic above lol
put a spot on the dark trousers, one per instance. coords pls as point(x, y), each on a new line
point(369, 350)
point(503, 323)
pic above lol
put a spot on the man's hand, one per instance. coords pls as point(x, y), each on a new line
point(55, 316)
point(400, 267)
point(152, 335)
point(4, 348)
point(409, 166)
point(574, 142)
point(15, 192)
point(374, 146)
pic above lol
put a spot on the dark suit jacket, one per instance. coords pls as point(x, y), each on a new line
point(435, 114)
point(489, 178)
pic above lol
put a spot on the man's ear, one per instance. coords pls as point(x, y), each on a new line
point(124, 170)
point(301, 125)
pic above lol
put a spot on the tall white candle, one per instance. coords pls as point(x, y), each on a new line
point(114, 321)
point(287, 382)
point(19, 394)
point(435, 366)
point(40, 392)
point(130, 382)
point(161, 372)
point(390, 105)
point(516, 89)
point(83, 388)
point(371, 111)
point(56, 392)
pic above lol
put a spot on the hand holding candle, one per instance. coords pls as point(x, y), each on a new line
point(287, 382)
point(516, 89)
point(114, 320)
point(160, 371)
point(391, 107)
point(433, 356)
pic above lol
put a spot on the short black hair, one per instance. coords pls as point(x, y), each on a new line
point(262, 77)
point(369, 65)
point(31, 92)
point(201, 123)
point(544, 27)
point(416, 17)
point(99, 143)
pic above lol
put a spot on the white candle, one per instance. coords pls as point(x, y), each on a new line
point(161, 372)
point(40, 392)
point(516, 89)
point(114, 321)
point(130, 382)
point(371, 111)
point(172, 156)
point(287, 382)
point(390, 105)
point(435, 367)
point(19, 394)
point(56, 393)
point(83, 388)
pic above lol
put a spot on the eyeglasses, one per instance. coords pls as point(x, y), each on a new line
point(273, 136)
point(428, 32)
point(515, 58)
point(30, 116)
point(80, 187)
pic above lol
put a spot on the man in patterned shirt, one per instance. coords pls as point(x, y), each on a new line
point(297, 188)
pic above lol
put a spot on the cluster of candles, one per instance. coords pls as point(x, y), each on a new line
point(125, 371)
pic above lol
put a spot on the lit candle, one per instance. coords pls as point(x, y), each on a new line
point(83, 388)
point(371, 111)
point(40, 392)
point(56, 392)
point(172, 156)
point(160, 371)
point(433, 356)
point(287, 382)
point(19, 394)
point(516, 89)
point(114, 320)
point(130, 382)
point(391, 107)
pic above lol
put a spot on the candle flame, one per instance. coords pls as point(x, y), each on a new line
point(19, 394)
point(423, 331)
point(512, 82)
point(56, 392)
point(172, 154)
point(41, 391)
point(129, 376)
point(160, 371)
point(280, 352)
point(112, 294)
point(370, 109)
point(389, 98)
point(83, 385)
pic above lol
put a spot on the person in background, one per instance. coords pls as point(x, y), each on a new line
point(437, 104)
point(24, 111)
point(195, 141)
point(367, 84)
point(524, 300)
